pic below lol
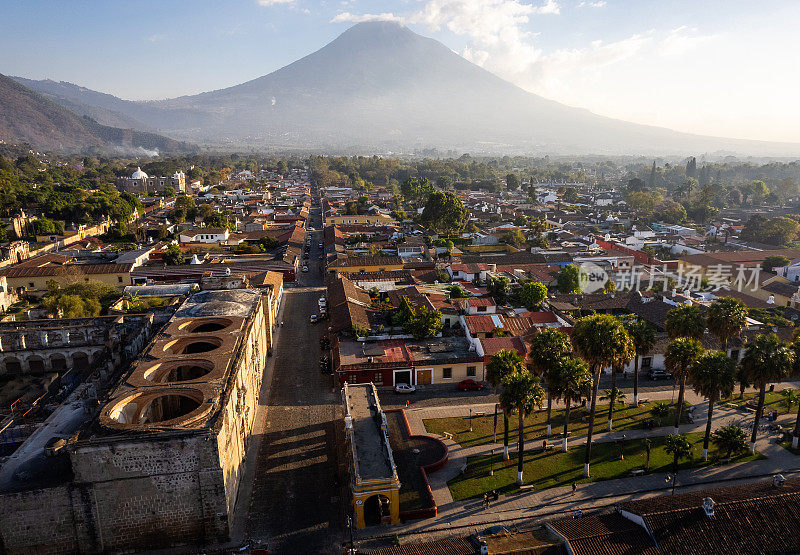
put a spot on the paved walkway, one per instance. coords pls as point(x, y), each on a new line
point(560, 500)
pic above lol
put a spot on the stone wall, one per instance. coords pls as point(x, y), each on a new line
point(41, 521)
point(239, 406)
point(158, 484)
point(147, 491)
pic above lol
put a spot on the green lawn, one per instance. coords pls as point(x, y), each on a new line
point(772, 399)
point(626, 417)
point(555, 468)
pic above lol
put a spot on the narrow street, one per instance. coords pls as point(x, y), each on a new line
point(295, 504)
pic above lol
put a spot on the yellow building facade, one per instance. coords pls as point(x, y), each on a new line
point(374, 483)
point(366, 219)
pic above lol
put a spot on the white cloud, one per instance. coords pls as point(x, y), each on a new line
point(683, 39)
point(360, 18)
point(274, 2)
point(567, 74)
point(496, 30)
point(598, 4)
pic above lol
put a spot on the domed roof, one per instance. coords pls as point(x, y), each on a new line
point(138, 174)
point(178, 175)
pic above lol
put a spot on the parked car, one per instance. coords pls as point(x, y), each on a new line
point(305, 268)
point(322, 301)
point(404, 388)
point(660, 375)
point(313, 319)
point(470, 385)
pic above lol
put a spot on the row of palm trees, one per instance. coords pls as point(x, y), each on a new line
point(571, 366)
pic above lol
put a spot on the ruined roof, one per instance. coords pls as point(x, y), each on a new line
point(181, 379)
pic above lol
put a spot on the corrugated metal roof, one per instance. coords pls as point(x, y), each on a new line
point(66, 270)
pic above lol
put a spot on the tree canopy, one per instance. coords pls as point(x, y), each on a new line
point(533, 294)
point(444, 213)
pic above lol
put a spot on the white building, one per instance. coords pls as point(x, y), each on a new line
point(204, 235)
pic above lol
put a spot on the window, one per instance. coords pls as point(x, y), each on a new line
point(481, 309)
point(735, 354)
point(377, 377)
point(447, 373)
point(647, 362)
point(31, 284)
point(353, 378)
point(119, 279)
point(471, 371)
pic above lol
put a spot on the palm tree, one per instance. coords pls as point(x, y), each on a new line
point(679, 447)
point(727, 317)
point(547, 347)
point(644, 339)
point(614, 394)
point(521, 392)
point(744, 381)
point(685, 321)
point(789, 398)
point(574, 382)
point(600, 340)
point(713, 377)
point(660, 411)
point(730, 438)
point(681, 355)
point(502, 364)
point(767, 359)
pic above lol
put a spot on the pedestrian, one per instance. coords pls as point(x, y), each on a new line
point(485, 500)
point(407, 403)
point(580, 514)
point(574, 487)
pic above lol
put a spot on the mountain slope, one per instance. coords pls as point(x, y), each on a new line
point(28, 117)
point(101, 107)
point(380, 85)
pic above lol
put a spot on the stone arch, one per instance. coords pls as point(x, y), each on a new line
point(13, 365)
point(80, 360)
point(376, 508)
point(36, 364)
point(58, 362)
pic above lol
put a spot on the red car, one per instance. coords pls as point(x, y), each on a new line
point(470, 385)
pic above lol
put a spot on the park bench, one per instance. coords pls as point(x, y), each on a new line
point(526, 487)
point(637, 472)
point(479, 413)
point(447, 435)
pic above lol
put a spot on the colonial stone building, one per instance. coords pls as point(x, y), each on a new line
point(159, 462)
point(140, 182)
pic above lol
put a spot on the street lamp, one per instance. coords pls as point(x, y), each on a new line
point(494, 439)
point(350, 527)
point(673, 477)
point(470, 419)
point(491, 464)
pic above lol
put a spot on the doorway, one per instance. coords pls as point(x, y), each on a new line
point(402, 376)
point(424, 376)
point(376, 509)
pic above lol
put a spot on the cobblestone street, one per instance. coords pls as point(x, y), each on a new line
point(295, 504)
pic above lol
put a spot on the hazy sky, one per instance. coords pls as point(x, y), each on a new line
point(726, 67)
